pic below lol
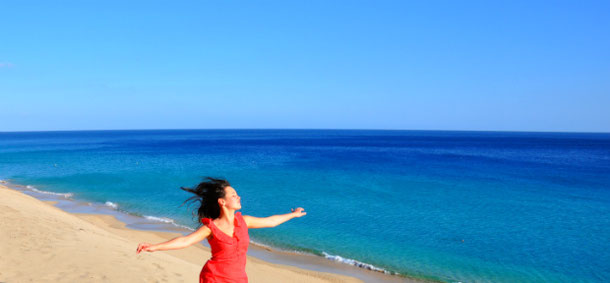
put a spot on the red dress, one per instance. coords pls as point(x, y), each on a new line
point(228, 262)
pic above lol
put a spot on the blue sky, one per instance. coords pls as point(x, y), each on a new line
point(425, 65)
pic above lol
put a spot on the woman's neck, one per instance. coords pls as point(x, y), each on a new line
point(227, 216)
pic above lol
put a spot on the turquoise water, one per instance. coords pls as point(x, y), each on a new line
point(447, 206)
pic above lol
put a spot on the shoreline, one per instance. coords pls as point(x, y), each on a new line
point(109, 218)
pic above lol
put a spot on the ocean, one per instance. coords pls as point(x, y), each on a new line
point(438, 205)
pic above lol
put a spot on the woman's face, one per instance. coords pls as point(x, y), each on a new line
point(232, 200)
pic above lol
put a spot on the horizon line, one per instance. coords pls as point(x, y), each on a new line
point(297, 129)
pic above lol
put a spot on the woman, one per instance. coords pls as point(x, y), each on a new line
point(226, 231)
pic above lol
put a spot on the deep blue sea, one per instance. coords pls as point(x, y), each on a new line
point(446, 206)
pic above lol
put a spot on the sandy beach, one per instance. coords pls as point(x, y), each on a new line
point(42, 243)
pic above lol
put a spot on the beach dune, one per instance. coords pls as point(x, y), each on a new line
point(42, 243)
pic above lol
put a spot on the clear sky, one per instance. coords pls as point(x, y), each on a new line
point(427, 65)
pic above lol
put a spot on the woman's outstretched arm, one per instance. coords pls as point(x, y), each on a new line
point(272, 221)
point(177, 243)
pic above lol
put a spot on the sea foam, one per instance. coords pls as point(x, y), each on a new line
point(168, 221)
point(356, 263)
point(34, 189)
point(111, 204)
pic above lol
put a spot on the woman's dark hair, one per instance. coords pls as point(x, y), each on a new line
point(207, 194)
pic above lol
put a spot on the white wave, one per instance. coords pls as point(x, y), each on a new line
point(168, 221)
point(34, 189)
point(355, 263)
point(159, 219)
point(111, 204)
point(3, 182)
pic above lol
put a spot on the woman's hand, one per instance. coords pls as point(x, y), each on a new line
point(144, 247)
point(178, 242)
point(274, 220)
point(298, 212)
